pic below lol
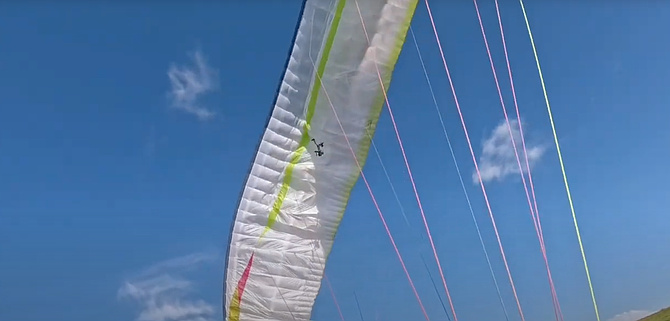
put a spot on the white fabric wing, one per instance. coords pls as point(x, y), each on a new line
point(304, 169)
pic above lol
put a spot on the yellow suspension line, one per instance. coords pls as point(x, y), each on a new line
point(560, 159)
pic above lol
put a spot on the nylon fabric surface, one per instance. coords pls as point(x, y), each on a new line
point(303, 172)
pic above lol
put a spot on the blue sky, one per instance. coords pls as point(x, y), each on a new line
point(110, 189)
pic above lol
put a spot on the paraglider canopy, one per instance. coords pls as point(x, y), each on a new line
point(311, 154)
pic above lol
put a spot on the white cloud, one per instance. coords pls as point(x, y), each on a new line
point(497, 160)
point(164, 294)
point(633, 315)
point(189, 83)
point(182, 263)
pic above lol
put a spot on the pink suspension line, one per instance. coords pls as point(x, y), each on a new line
point(530, 175)
point(474, 159)
point(374, 201)
point(516, 153)
point(409, 170)
point(332, 293)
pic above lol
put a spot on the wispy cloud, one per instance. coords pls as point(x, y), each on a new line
point(632, 315)
point(150, 142)
point(497, 160)
point(164, 294)
point(189, 82)
point(154, 140)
